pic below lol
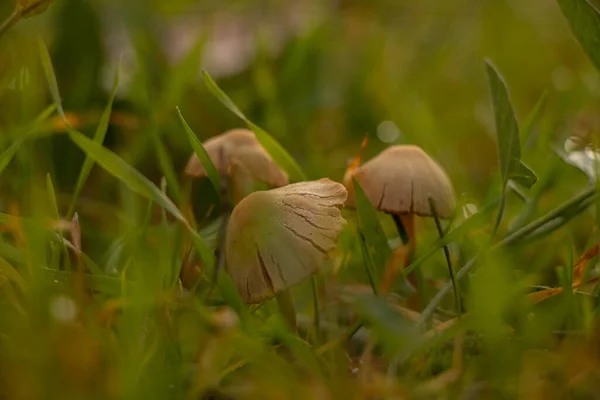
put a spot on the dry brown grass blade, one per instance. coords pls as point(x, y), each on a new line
point(394, 264)
point(582, 263)
point(79, 120)
point(578, 271)
point(356, 161)
point(436, 330)
point(542, 295)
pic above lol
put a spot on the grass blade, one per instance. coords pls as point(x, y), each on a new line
point(277, 152)
point(202, 154)
point(563, 213)
point(373, 240)
point(56, 216)
point(50, 76)
point(11, 273)
point(98, 138)
point(52, 198)
point(584, 21)
point(507, 132)
point(104, 284)
point(137, 182)
point(117, 167)
point(438, 226)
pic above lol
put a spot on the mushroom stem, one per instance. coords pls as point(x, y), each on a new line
point(405, 224)
point(242, 186)
point(287, 308)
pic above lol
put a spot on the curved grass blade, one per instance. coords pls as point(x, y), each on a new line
point(438, 226)
point(98, 138)
point(137, 182)
point(11, 273)
point(50, 76)
point(279, 154)
point(584, 21)
point(117, 167)
point(211, 170)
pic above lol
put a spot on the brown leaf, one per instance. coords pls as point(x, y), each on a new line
point(578, 271)
point(582, 263)
point(436, 330)
point(542, 295)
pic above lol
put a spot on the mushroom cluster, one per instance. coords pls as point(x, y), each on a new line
point(279, 237)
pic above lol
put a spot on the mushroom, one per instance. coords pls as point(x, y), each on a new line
point(401, 181)
point(239, 154)
point(240, 160)
point(278, 238)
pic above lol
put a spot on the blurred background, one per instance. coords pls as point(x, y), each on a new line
point(317, 75)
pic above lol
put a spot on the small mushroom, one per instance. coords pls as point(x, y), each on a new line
point(401, 181)
point(239, 154)
point(280, 237)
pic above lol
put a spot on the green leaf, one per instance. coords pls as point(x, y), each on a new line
point(376, 243)
point(50, 77)
point(98, 138)
point(277, 152)
point(507, 132)
point(202, 154)
point(584, 21)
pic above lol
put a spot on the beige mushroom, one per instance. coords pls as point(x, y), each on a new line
point(278, 238)
point(239, 154)
point(401, 181)
point(240, 159)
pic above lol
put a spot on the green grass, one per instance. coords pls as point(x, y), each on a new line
point(142, 310)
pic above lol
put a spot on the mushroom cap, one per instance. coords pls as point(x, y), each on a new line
point(278, 238)
point(238, 147)
point(400, 180)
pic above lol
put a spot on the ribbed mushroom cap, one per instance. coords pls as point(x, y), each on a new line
point(239, 147)
point(400, 180)
point(278, 238)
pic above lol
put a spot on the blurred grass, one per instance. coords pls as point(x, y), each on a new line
point(318, 76)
